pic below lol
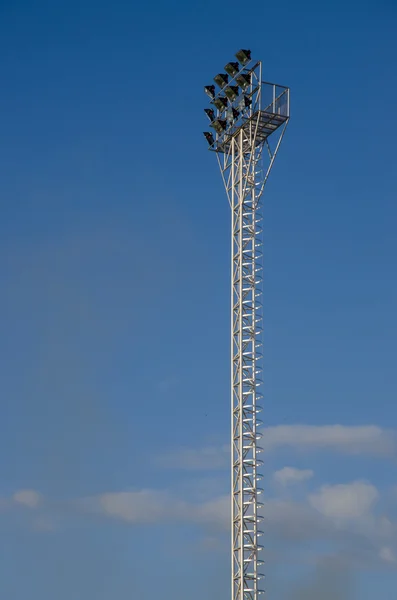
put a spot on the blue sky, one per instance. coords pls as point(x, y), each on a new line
point(115, 301)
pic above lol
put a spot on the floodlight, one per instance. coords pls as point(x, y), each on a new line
point(232, 68)
point(232, 114)
point(220, 103)
point(219, 125)
point(245, 102)
point(209, 137)
point(243, 80)
point(243, 56)
point(210, 91)
point(231, 92)
point(221, 79)
point(210, 113)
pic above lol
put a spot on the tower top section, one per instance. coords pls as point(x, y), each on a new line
point(242, 101)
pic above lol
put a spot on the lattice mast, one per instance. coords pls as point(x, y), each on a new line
point(249, 118)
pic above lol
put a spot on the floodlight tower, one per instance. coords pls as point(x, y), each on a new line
point(249, 118)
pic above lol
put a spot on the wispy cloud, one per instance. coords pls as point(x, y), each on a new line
point(340, 515)
point(154, 506)
point(27, 498)
point(196, 459)
point(290, 475)
point(363, 440)
point(388, 555)
point(345, 501)
point(369, 440)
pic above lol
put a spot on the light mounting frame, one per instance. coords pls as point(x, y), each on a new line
point(268, 111)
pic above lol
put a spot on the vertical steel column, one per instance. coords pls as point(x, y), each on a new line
point(246, 369)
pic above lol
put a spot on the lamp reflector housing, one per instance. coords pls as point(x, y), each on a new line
point(209, 137)
point(219, 125)
point(221, 79)
point(243, 56)
point(231, 92)
point(232, 68)
point(244, 103)
point(210, 91)
point(243, 80)
point(210, 113)
point(220, 103)
point(232, 114)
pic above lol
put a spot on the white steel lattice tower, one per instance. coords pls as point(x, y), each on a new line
point(249, 118)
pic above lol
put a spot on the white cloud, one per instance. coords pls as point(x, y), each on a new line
point(363, 440)
point(290, 475)
point(345, 501)
point(214, 512)
point(153, 506)
point(206, 458)
point(28, 498)
point(368, 440)
point(339, 516)
point(292, 521)
point(388, 555)
point(144, 506)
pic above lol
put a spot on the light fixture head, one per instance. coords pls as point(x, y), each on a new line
point(221, 79)
point(232, 68)
point(232, 114)
point(244, 103)
point(243, 56)
point(231, 92)
point(209, 137)
point(220, 103)
point(210, 91)
point(219, 125)
point(243, 80)
point(210, 113)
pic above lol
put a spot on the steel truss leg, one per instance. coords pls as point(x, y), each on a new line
point(245, 179)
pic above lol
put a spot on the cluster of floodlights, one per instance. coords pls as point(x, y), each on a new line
point(224, 102)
